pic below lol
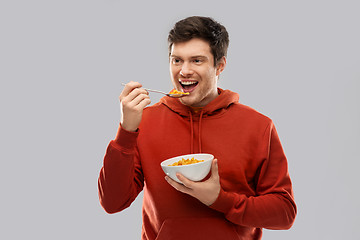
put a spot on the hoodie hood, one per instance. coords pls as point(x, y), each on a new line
point(218, 105)
point(223, 101)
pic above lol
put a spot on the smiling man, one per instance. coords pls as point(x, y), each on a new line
point(249, 187)
point(193, 70)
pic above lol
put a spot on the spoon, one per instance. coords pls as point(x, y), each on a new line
point(174, 95)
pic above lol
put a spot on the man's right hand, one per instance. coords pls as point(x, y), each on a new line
point(133, 100)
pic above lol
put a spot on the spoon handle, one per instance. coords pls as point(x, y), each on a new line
point(150, 90)
point(156, 91)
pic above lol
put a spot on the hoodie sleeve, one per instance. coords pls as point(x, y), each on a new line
point(121, 178)
point(273, 207)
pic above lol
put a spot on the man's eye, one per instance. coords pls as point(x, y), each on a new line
point(197, 61)
point(176, 61)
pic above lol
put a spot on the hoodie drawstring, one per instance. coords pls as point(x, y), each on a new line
point(192, 132)
point(201, 114)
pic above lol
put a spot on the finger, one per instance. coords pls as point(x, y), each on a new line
point(129, 87)
point(138, 99)
point(177, 186)
point(144, 103)
point(133, 99)
point(135, 93)
point(187, 183)
point(214, 168)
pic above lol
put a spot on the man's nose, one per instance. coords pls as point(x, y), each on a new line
point(186, 69)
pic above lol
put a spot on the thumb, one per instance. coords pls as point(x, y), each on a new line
point(214, 168)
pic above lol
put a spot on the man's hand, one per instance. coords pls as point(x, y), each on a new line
point(133, 100)
point(206, 192)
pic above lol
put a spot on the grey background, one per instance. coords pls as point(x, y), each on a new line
point(61, 65)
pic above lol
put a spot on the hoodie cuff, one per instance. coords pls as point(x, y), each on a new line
point(224, 202)
point(126, 139)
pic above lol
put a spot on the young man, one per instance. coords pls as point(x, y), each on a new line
point(249, 187)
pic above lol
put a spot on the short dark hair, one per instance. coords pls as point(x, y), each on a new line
point(204, 28)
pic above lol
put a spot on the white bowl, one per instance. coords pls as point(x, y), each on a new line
point(194, 171)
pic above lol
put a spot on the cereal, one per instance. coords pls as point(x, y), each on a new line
point(174, 91)
point(186, 162)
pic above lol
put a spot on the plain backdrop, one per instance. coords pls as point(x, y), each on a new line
point(61, 68)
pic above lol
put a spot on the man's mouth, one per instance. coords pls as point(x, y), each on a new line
point(188, 85)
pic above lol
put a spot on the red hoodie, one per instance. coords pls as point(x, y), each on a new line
point(256, 189)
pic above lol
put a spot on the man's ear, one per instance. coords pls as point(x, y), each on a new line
point(220, 65)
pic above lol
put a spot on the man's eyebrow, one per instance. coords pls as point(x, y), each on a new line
point(196, 56)
point(199, 56)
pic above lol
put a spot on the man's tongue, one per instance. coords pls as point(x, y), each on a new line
point(189, 87)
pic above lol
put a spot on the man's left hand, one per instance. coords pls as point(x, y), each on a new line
point(206, 192)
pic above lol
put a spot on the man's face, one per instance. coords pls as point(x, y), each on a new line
point(192, 71)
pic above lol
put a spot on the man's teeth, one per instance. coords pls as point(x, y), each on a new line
point(188, 82)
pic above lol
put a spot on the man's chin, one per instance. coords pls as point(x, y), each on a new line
point(189, 103)
point(186, 101)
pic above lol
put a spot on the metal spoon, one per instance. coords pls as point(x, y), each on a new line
point(174, 95)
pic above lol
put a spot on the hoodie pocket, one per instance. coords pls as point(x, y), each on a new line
point(197, 228)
